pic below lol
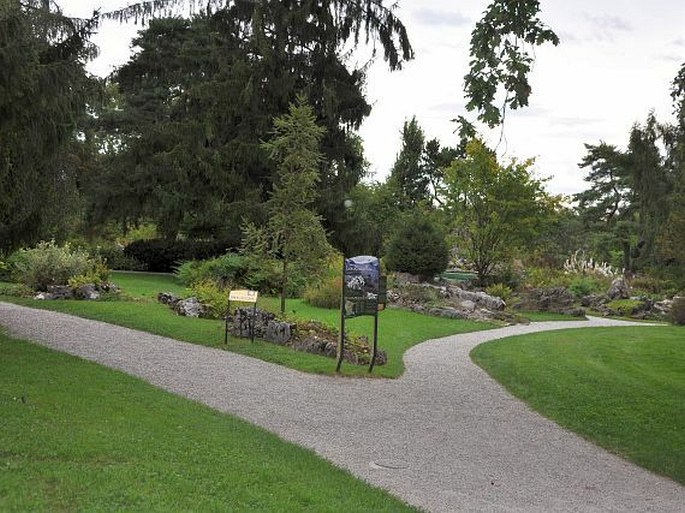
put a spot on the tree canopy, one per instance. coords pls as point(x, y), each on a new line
point(494, 209)
point(44, 90)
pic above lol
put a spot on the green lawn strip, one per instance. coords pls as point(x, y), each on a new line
point(622, 388)
point(146, 285)
point(398, 329)
point(77, 436)
point(547, 316)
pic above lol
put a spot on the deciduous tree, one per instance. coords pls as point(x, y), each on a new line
point(494, 209)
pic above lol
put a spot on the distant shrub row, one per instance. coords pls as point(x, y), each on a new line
point(161, 255)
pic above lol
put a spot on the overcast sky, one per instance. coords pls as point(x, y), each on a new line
point(614, 64)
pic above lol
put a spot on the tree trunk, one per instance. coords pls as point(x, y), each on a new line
point(284, 284)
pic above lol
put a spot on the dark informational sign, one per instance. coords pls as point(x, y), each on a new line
point(362, 285)
point(363, 293)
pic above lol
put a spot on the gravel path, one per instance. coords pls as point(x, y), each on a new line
point(444, 437)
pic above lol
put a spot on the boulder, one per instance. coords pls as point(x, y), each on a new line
point(554, 299)
point(467, 305)
point(60, 292)
point(479, 299)
point(619, 289)
point(266, 326)
point(87, 291)
point(190, 307)
point(278, 332)
point(167, 298)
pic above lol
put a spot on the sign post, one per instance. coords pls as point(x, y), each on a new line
point(363, 293)
point(241, 296)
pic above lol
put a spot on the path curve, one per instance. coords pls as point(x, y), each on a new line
point(444, 436)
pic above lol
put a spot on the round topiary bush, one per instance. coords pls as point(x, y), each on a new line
point(418, 247)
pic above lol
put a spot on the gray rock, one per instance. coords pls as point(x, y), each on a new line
point(479, 299)
point(664, 307)
point(278, 332)
point(167, 298)
point(594, 300)
point(554, 299)
point(43, 296)
point(265, 324)
point(619, 289)
point(87, 291)
point(60, 292)
point(467, 305)
point(190, 307)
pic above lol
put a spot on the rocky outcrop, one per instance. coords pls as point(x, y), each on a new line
point(87, 291)
point(446, 301)
point(309, 337)
point(554, 299)
point(619, 289)
point(190, 307)
point(265, 324)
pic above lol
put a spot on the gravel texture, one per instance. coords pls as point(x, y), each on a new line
point(444, 437)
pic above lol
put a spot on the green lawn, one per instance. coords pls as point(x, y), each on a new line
point(622, 388)
point(75, 436)
point(547, 316)
point(398, 329)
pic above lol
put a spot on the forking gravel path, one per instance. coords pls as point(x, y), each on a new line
point(443, 437)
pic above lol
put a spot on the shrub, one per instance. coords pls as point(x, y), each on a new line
point(413, 293)
point(580, 263)
point(161, 255)
point(212, 296)
point(624, 307)
point(678, 311)
point(500, 290)
point(418, 247)
point(325, 295)
point(48, 264)
point(584, 285)
point(653, 286)
point(115, 258)
point(544, 278)
point(224, 270)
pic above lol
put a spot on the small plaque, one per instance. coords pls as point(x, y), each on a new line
point(243, 296)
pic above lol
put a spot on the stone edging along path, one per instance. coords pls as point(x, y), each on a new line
point(444, 436)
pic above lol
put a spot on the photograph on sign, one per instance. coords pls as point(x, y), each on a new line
point(362, 285)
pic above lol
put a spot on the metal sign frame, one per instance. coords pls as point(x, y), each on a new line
point(362, 298)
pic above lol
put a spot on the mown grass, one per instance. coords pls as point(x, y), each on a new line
point(622, 388)
point(547, 316)
point(398, 330)
point(75, 436)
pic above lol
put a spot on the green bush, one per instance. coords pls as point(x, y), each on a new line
point(48, 264)
point(225, 270)
point(325, 295)
point(115, 258)
point(624, 307)
point(161, 255)
point(545, 278)
point(678, 311)
point(500, 290)
point(585, 285)
point(212, 296)
point(418, 247)
point(652, 286)
point(418, 294)
point(233, 269)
